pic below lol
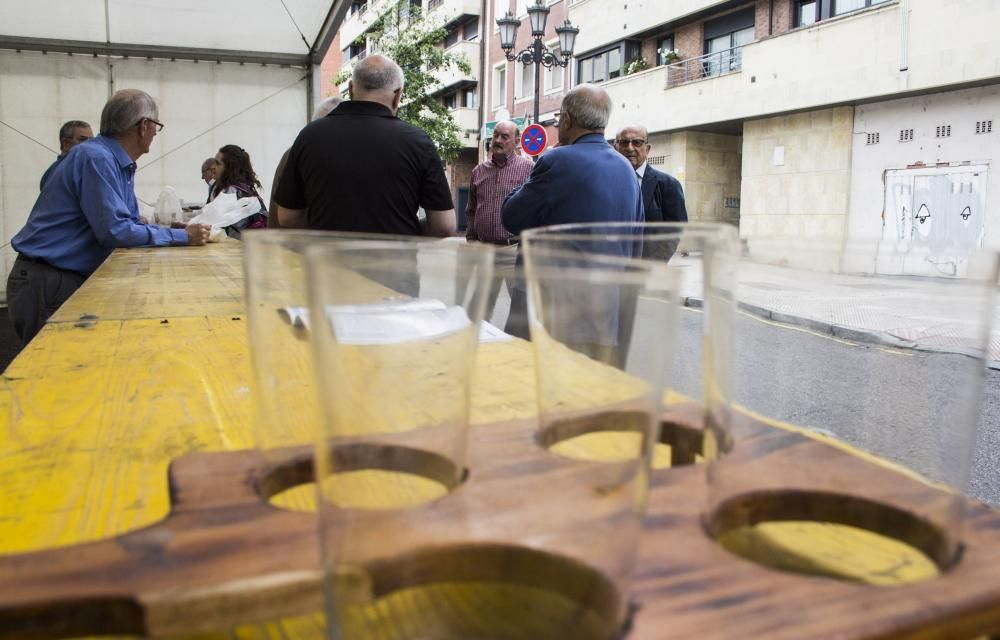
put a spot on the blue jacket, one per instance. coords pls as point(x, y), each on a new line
point(587, 181)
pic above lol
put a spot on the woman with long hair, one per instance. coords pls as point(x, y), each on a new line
point(236, 176)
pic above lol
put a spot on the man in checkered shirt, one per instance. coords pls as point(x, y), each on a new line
point(492, 180)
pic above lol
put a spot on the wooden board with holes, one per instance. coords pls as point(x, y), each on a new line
point(96, 410)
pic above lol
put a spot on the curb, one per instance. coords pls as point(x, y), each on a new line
point(841, 331)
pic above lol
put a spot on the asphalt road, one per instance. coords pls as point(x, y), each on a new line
point(889, 401)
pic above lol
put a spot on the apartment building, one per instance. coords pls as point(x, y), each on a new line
point(873, 121)
point(510, 90)
point(456, 90)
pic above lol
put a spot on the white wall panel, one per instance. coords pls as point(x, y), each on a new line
point(61, 19)
point(37, 94)
point(203, 105)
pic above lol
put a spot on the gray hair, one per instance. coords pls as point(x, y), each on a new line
point(325, 107)
point(66, 131)
point(209, 162)
point(125, 109)
point(589, 106)
point(377, 74)
point(637, 127)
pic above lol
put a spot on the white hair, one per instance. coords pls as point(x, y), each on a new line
point(325, 107)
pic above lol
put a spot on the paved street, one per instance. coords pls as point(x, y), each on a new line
point(867, 394)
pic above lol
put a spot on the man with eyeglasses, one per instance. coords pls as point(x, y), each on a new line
point(71, 134)
point(662, 195)
point(86, 209)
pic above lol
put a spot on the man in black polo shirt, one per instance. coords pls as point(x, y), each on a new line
point(363, 169)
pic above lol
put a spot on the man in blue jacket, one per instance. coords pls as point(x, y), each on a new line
point(87, 207)
point(582, 180)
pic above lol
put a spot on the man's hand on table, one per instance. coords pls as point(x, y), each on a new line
point(198, 234)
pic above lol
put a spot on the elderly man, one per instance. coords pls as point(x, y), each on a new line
point(581, 180)
point(322, 110)
point(70, 134)
point(492, 180)
point(363, 169)
point(85, 210)
point(662, 195)
point(209, 171)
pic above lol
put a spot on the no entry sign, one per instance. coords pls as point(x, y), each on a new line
point(533, 140)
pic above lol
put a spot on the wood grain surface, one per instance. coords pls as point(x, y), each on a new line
point(108, 394)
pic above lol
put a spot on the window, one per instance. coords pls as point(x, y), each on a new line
point(725, 37)
point(452, 37)
point(810, 11)
point(607, 64)
point(806, 12)
point(524, 81)
point(499, 85)
point(554, 74)
point(469, 98)
point(665, 43)
point(450, 101)
point(470, 31)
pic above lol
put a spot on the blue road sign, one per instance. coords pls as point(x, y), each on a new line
point(533, 139)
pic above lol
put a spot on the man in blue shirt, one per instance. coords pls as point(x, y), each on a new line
point(70, 134)
point(85, 210)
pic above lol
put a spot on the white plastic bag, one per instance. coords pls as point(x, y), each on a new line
point(224, 211)
point(168, 208)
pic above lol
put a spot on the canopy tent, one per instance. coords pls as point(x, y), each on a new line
point(241, 72)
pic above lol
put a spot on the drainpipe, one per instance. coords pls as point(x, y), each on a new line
point(770, 17)
point(482, 75)
point(904, 35)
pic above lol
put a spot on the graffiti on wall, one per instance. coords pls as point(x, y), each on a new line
point(936, 213)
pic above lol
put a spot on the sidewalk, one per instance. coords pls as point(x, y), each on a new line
point(894, 311)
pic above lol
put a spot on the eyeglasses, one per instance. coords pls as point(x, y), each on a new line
point(159, 125)
point(635, 142)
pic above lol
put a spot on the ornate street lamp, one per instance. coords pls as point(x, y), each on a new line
point(537, 53)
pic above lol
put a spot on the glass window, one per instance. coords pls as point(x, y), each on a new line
point(614, 63)
point(554, 74)
point(843, 6)
point(499, 86)
point(471, 30)
point(806, 13)
point(663, 45)
point(451, 38)
point(524, 81)
point(469, 98)
point(450, 101)
point(586, 70)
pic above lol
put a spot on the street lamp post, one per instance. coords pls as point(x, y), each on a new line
point(537, 54)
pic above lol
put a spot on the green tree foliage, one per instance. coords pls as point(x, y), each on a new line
point(413, 39)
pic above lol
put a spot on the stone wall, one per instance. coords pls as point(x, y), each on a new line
point(796, 176)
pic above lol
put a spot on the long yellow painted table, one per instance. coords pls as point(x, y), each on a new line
point(149, 361)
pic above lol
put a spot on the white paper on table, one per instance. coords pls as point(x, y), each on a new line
point(394, 321)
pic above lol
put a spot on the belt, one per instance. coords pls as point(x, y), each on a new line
point(510, 242)
point(21, 256)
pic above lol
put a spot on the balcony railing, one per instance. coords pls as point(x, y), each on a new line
point(434, 4)
point(707, 66)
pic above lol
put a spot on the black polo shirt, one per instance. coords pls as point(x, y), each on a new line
point(363, 169)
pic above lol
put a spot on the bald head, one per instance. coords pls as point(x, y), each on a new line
point(377, 79)
point(585, 109)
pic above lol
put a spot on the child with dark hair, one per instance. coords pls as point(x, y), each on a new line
point(236, 176)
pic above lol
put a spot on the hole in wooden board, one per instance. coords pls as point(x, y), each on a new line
point(832, 535)
point(367, 476)
point(475, 591)
point(616, 436)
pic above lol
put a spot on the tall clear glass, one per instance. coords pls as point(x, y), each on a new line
point(859, 388)
point(395, 342)
point(286, 416)
point(705, 256)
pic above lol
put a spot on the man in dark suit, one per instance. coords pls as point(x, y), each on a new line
point(662, 195)
point(581, 180)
